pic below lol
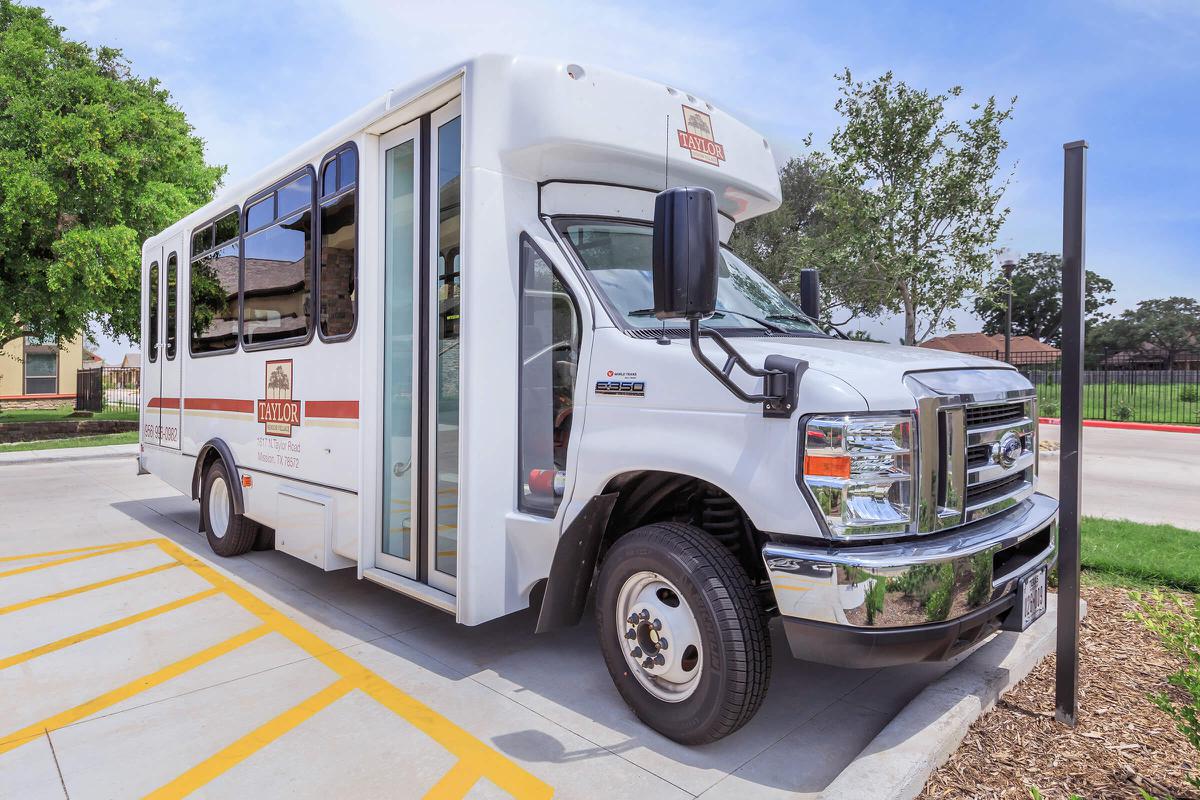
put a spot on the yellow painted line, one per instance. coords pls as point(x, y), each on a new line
point(251, 743)
point(455, 784)
point(795, 588)
point(125, 622)
point(97, 704)
point(91, 554)
point(497, 768)
point(72, 550)
point(37, 601)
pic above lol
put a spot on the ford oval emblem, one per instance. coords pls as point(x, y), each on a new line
point(1006, 451)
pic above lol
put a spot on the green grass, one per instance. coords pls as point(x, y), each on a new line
point(62, 412)
point(1119, 552)
point(129, 437)
point(1152, 402)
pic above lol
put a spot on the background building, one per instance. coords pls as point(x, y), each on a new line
point(36, 373)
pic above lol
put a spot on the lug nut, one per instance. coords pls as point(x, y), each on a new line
point(657, 625)
point(630, 633)
point(636, 652)
point(633, 619)
point(660, 659)
point(648, 663)
point(662, 644)
point(645, 615)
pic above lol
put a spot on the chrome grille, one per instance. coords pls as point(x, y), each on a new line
point(964, 416)
point(980, 416)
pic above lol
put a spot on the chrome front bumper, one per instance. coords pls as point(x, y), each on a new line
point(919, 585)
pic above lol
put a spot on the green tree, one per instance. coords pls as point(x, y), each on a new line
point(93, 160)
point(911, 202)
point(779, 244)
point(1037, 299)
point(1171, 324)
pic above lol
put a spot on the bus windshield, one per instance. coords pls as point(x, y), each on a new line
point(617, 256)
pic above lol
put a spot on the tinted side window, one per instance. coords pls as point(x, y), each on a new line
point(172, 305)
point(261, 213)
point(152, 316)
point(276, 293)
point(339, 224)
point(214, 301)
point(550, 339)
point(227, 228)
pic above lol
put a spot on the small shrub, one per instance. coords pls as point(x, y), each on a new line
point(1049, 410)
point(937, 605)
point(1123, 411)
point(1178, 628)
point(1189, 394)
point(875, 599)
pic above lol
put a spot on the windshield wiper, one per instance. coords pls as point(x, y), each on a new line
point(649, 312)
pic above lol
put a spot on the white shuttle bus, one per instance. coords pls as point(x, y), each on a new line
point(465, 344)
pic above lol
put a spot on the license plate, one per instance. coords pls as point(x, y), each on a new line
point(1033, 597)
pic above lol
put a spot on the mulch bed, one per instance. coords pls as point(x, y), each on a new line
point(1122, 742)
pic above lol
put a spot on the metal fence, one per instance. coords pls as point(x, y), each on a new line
point(116, 389)
point(1118, 386)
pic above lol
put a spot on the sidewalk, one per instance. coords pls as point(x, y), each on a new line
point(69, 454)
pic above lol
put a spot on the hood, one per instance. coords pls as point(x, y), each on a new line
point(875, 370)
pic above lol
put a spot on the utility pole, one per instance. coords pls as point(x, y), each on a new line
point(1009, 263)
point(1066, 677)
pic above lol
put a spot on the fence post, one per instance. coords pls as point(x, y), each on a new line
point(1104, 372)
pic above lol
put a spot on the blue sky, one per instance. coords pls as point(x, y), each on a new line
point(258, 78)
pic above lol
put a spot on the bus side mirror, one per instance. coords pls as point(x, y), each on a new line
point(687, 251)
point(810, 293)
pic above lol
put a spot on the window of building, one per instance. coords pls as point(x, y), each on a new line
point(277, 274)
point(41, 365)
point(213, 290)
point(152, 316)
point(172, 336)
point(337, 278)
point(550, 340)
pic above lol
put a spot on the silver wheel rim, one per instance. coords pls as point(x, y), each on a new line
point(659, 636)
point(218, 507)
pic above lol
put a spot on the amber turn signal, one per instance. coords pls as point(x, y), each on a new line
point(827, 466)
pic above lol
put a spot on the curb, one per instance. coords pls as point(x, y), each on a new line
point(69, 454)
point(927, 731)
point(1129, 426)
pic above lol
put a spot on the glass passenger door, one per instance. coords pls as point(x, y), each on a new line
point(422, 266)
point(397, 549)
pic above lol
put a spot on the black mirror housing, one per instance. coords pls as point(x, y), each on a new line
point(687, 253)
point(810, 293)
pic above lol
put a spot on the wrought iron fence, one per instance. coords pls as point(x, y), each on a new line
point(1124, 387)
point(115, 389)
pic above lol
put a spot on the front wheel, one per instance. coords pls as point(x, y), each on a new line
point(228, 533)
point(683, 638)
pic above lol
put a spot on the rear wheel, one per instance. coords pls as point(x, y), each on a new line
point(228, 533)
point(682, 635)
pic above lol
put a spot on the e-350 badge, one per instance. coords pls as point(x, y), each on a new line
point(278, 412)
point(622, 384)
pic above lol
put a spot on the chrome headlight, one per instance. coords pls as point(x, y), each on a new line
point(859, 471)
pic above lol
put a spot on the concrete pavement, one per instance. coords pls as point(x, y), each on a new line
point(143, 663)
point(1144, 476)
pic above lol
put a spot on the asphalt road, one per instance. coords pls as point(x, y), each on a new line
point(1144, 476)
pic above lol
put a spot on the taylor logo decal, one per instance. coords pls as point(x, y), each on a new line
point(279, 412)
point(698, 138)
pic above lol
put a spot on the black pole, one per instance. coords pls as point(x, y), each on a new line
point(1008, 270)
point(1066, 679)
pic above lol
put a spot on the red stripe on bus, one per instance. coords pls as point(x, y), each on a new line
point(163, 402)
point(219, 404)
point(331, 409)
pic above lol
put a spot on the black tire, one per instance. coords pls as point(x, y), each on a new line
point(240, 533)
point(736, 646)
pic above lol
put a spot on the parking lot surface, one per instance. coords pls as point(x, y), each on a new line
point(134, 662)
point(1144, 476)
